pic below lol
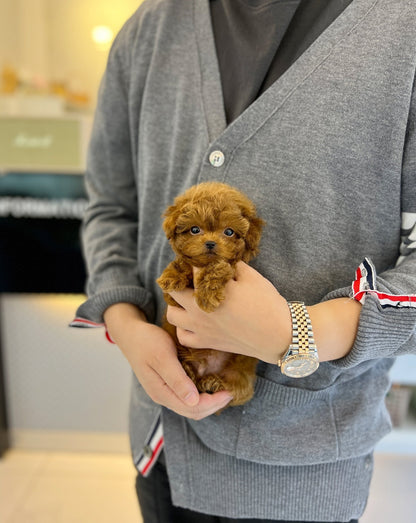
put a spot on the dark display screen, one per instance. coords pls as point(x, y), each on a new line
point(40, 218)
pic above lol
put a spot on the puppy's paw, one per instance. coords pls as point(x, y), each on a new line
point(210, 384)
point(175, 277)
point(209, 300)
point(168, 284)
point(240, 385)
point(210, 285)
point(241, 395)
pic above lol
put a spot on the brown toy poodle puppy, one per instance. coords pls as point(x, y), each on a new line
point(211, 226)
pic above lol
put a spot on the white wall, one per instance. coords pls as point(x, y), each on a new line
point(72, 53)
point(66, 388)
point(8, 31)
point(52, 38)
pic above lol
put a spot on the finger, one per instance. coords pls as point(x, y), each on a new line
point(188, 338)
point(171, 373)
point(184, 298)
point(192, 340)
point(177, 316)
point(181, 384)
point(209, 404)
point(162, 393)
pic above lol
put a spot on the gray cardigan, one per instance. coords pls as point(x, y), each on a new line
point(328, 154)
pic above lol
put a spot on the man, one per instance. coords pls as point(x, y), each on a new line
point(313, 116)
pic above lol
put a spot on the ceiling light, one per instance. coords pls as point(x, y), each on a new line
point(102, 36)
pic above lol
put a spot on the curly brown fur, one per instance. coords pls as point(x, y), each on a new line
point(211, 226)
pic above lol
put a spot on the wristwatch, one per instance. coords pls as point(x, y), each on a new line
point(301, 358)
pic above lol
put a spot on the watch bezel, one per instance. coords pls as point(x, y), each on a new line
point(310, 357)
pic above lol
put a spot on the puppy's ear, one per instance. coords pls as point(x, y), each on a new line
point(169, 225)
point(252, 237)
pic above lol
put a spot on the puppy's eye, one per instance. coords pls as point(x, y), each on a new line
point(228, 232)
point(195, 229)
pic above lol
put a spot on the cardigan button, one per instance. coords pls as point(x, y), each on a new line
point(216, 158)
point(147, 451)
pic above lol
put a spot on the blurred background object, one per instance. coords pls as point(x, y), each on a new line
point(52, 56)
point(58, 49)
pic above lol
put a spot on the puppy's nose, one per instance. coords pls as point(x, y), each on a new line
point(210, 245)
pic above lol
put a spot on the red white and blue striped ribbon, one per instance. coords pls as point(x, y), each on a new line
point(88, 324)
point(152, 449)
point(365, 284)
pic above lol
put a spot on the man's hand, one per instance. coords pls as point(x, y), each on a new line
point(254, 320)
point(151, 353)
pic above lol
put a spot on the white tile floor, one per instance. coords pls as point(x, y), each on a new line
point(52, 487)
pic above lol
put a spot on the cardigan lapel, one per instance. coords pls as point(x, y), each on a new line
point(261, 109)
point(212, 96)
point(309, 21)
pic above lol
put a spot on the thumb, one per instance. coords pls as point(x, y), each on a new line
point(174, 376)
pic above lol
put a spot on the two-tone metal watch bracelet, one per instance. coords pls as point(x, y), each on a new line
point(301, 359)
point(302, 326)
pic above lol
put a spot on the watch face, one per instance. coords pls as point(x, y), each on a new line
point(300, 366)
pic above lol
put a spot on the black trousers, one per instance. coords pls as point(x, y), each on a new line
point(156, 506)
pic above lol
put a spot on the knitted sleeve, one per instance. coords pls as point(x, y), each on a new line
point(109, 232)
point(387, 325)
